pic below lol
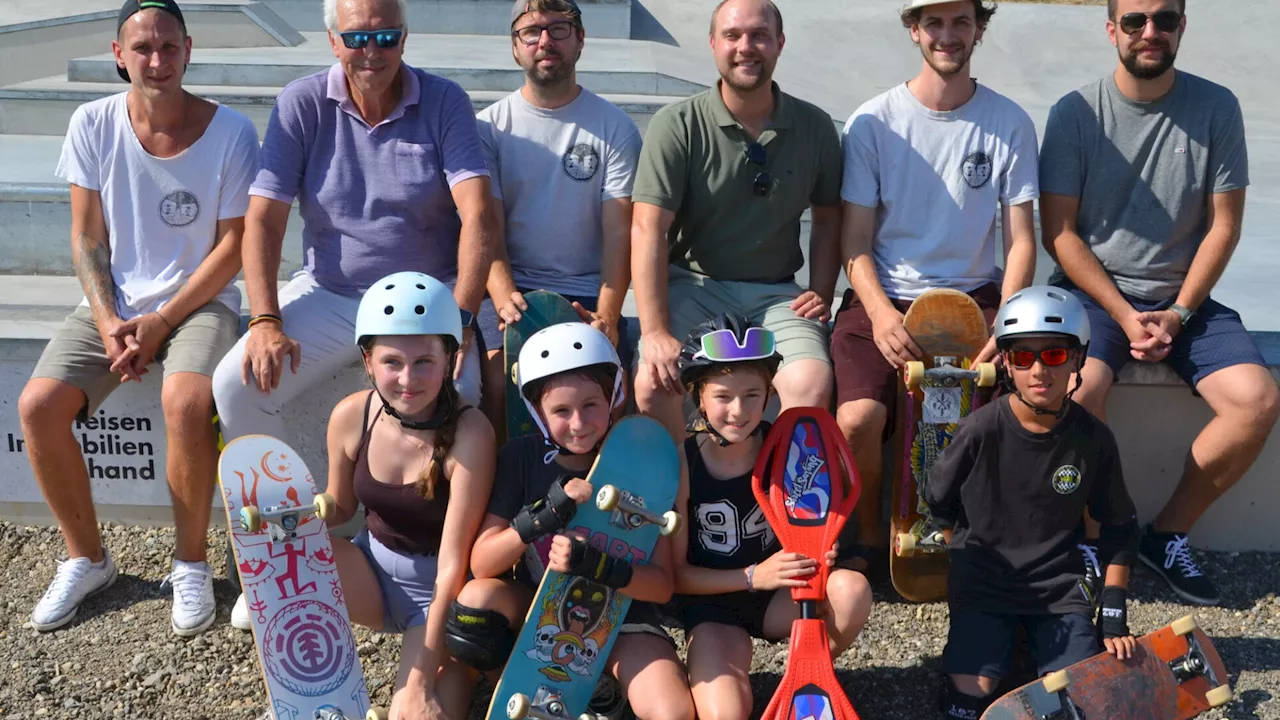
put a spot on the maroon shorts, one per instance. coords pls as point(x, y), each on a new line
point(861, 370)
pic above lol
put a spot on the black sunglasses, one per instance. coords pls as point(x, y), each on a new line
point(762, 185)
point(359, 39)
point(558, 30)
point(1166, 21)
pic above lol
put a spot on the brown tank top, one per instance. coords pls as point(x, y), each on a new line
point(397, 515)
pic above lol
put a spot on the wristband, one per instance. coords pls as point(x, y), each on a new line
point(1114, 618)
point(588, 562)
point(164, 320)
point(265, 317)
point(751, 576)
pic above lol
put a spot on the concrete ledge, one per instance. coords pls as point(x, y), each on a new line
point(602, 19)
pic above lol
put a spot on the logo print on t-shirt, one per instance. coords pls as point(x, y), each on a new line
point(977, 169)
point(581, 162)
point(179, 208)
point(1066, 479)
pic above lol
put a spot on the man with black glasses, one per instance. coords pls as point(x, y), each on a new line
point(562, 162)
point(1144, 175)
point(927, 166)
point(724, 178)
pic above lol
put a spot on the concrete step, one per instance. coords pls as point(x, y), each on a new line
point(45, 106)
point(475, 62)
point(602, 18)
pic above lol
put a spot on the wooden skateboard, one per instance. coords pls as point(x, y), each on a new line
point(545, 309)
point(569, 630)
point(950, 330)
point(1174, 674)
point(286, 565)
point(806, 482)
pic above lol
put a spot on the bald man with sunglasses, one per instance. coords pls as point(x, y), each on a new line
point(1143, 175)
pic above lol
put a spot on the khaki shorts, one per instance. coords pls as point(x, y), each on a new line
point(693, 299)
point(75, 355)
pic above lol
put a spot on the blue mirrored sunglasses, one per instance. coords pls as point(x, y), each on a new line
point(359, 39)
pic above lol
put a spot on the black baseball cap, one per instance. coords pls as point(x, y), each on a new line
point(520, 7)
point(132, 7)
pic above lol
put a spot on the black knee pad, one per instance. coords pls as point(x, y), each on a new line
point(955, 705)
point(480, 638)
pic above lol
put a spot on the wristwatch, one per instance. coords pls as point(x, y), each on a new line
point(1184, 314)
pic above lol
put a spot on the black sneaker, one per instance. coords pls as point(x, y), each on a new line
point(608, 702)
point(1170, 556)
point(1091, 583)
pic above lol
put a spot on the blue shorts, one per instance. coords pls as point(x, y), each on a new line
point(407, 582)
point(982, 644)
point(487, 322)
point(1214, 339)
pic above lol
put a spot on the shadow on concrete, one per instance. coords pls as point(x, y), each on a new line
point(644, 26)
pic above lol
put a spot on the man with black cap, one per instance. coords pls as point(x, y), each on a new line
point(159, 188)
point(562, 161)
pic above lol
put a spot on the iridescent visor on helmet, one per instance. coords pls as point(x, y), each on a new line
point(722, 346)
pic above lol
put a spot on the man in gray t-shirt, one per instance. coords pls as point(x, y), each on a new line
point(1143, 177)
point(563, 161)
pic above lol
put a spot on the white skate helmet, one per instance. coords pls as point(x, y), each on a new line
point(408, 303)
point(563, 348)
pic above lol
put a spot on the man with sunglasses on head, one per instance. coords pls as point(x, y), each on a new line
point(562, 160)
point(1144, 175)
point(389, 173)
point(724, 178)
point(930, 166)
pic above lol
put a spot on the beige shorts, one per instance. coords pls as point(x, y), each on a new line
point(75, 355)
point(693, 298)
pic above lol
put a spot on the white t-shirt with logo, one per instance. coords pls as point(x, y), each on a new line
point(937, 180)
point(161, 213)
point(552, 170)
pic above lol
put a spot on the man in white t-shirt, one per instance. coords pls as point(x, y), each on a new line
point(927, 163)
point(562, 161)
point(159, 188)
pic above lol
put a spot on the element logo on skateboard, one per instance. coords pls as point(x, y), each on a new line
point(807, 480)
point(309, 648)
point(577, 617)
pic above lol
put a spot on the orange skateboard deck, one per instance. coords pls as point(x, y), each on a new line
point(937, 391)
point(1175, 673)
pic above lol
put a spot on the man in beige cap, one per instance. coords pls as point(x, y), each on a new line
point(925, 166)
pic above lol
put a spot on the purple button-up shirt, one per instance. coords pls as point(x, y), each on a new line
point(374, 200)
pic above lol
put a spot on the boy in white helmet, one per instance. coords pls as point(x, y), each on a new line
point(1010, 493)
point(421, 464)
point(572, 380)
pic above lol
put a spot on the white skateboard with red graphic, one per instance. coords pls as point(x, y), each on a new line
point(287, 572)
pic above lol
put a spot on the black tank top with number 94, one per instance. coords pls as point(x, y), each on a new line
point(727, 528)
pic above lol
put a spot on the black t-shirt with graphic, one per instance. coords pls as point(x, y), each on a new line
point(522, 478)
point(1016, 501)
point(727, 528)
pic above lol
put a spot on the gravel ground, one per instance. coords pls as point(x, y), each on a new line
point(119, 658)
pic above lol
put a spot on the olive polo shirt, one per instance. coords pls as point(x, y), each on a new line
point(694, 163)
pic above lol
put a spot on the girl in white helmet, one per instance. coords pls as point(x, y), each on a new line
point(421, 463)
point(571, 379)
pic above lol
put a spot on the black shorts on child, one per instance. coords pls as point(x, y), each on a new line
point(742, 609)
point(982, 644)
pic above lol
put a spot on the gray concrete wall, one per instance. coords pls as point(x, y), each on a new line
point(611, 18)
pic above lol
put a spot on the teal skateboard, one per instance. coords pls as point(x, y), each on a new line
point(569, 630)
point(545, 309)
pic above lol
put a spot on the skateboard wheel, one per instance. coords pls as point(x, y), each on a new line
point(324, 505)
point(905, 544)
point(515, 375)
point(608, 497)
point(913, 374)
point(250, 519)
point(1056, 681)
point(376, 713)
point(986, 374)
point(588, 716)
point(1184, 625)
point(1218, 696)
point(672, 524)
point(518, 706)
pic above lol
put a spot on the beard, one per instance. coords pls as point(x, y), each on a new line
point(1146, 70)
point(947, 68)
point(747, 83)
point(553, 75)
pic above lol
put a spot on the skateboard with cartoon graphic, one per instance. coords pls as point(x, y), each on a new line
point(1175, 673)
point(545, 309)
point(287, 571)
point(572, 622)
point(937, 391)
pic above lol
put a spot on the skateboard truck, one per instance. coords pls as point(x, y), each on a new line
point(629, 511)
point(332, 714)
point(1055, 704)
point(282, 522)
point(1195, 664)
point(546, 704)
point(946, 373)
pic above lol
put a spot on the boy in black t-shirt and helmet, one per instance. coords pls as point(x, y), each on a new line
point(1011, 491)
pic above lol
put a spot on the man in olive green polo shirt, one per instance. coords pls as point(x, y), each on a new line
point(723, 179)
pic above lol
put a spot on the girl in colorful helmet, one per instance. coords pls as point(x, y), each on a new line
point(421, 463)
point(731, 574)
point(572, 381)
point(1010, 493)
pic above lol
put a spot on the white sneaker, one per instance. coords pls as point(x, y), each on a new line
point(240, 619)
point(75, 580)
point(193, 606)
